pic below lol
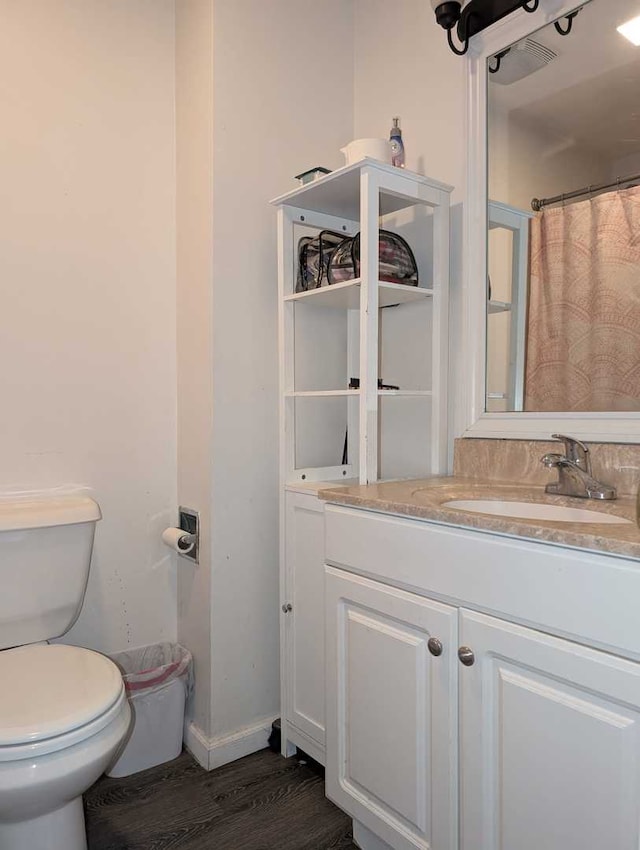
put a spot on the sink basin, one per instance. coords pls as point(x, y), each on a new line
point(529, 510)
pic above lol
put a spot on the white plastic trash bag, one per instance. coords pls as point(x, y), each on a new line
point(149, 668)
point(158, 680)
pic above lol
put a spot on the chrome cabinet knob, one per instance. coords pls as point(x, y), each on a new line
point(287, 608)
point(466, 656)
point(435, 646)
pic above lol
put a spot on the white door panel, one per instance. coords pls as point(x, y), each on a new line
point(391, 712)
point(550, 742)
point(304, 701)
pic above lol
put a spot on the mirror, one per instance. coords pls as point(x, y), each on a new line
point(563, 283)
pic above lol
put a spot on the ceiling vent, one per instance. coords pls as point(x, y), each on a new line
point(524, 58)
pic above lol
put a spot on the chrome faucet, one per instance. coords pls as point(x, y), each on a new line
point(574, 472)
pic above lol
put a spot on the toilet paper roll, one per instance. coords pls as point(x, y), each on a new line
point(179, 540)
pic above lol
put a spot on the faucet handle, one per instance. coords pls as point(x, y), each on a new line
point(553, 460)
point(576, 451)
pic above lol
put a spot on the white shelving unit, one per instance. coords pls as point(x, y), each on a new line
point(356, 198)
point(516, 221)
point(326, 337)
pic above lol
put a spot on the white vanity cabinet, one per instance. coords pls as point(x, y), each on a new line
point(538, 730)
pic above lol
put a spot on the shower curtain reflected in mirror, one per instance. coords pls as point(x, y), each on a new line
point(583, 340)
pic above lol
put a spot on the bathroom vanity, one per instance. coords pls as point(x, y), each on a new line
point(483, 685)
point(481, 673)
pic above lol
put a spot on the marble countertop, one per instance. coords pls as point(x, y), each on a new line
point(425, 498)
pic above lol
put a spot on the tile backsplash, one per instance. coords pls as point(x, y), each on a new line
point(518, 461)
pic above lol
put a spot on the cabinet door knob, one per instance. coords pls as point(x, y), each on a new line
point(287, 608)
point(466, 656)
point(435, 646)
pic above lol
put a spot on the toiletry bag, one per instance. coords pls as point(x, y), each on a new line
point(314, 254)
point(396, 261)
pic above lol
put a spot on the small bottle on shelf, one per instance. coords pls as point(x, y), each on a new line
point(397, 145)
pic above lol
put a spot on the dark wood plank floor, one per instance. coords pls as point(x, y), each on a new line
point(261, 802)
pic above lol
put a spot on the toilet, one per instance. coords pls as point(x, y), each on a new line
point(63, 709)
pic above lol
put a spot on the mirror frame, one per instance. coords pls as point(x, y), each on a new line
point(471, 418)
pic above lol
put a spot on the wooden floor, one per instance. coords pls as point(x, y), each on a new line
point(261, 802)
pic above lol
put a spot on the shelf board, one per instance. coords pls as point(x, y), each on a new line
point(498, 306)
point(406, 393)
point(338, 193)
point(346, 295)
point(321, 393)
point(338, 393)
point(306, 486)
point(508, 217)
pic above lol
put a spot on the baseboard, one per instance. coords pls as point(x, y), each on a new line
point(197, 743)
point(214, 752)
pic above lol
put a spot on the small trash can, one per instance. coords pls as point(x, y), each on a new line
point(158, 680)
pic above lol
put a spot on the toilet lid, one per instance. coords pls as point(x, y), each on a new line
point(50, 690)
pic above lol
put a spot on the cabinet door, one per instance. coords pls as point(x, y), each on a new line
point(391, 712)
point(303, 669)
point(550, 744)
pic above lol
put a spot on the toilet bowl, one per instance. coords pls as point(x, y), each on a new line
point(63, 718)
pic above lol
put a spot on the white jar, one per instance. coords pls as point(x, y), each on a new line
point(358, 149)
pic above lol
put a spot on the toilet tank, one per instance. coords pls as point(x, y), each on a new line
point(45, 553)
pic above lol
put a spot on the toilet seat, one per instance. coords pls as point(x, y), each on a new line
point(54, 697)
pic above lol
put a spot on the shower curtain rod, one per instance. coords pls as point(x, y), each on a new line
point(538, 203)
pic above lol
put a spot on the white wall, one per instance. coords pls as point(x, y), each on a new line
point(194, 312)
point(404, 67)
point(283, 102)
point(625, 167)
point(87, 281)
point(247, 122)
point(526, 162)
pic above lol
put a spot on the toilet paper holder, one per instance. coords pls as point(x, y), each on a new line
point(189, 522)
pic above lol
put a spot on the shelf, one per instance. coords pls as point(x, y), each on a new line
point(338, 193)
point(347, 295)
point(508, 217)
point(321, 393)
point(338, 393)
point(297, 486)
point(406, 393)
point(498, 306)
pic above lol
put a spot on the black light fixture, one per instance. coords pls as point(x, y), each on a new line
point(472, 17)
